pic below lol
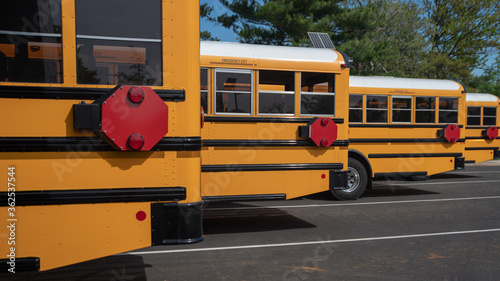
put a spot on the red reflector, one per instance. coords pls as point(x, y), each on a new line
point(323, 176)
point(140, 216)
point(136, 95)
point(135, 141)
point(323, 142)
point(325, 121)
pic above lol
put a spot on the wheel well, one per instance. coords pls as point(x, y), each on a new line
point(361, 158)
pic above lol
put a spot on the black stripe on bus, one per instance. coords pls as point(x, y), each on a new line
point(31, 264)
point(470, 161)
point(58, 144)
point(482, 148)
point(397, 175)
point(479, 128)
point(91, 196)
point(233, 198)
point(245, 119)
point(400, 140)
point(270, 167)
point(480, 138)
point(25, 92)
point(264, 143)
point(398, 126)
point(414, 155)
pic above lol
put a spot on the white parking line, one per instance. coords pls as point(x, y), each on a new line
point(242, 247)
point(434, 183)
point(357, 203)
point(470, 172)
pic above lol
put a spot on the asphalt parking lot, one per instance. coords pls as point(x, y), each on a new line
point(446, 228)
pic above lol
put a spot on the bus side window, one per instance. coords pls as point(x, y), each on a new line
point(276, 92)
point(355, 108)
point(448, 110)
point(122, 47)
point(401, 109)
point(204, 89)
point(425, 110)
point(489, 116)
point(474, 115)
point(30, 41)
point(233, 91)
point(376, 109)
point(317, 96)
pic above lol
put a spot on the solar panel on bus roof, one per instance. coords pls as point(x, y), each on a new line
point(321, 40)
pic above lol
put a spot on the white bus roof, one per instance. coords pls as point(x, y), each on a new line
point(480, 97)
point(402, 83)
point(252, 51)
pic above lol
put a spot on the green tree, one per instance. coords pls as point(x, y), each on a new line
point(279, 22)
point(489, 81)
point(461, 34)
point(383, 37)
point(205, 12)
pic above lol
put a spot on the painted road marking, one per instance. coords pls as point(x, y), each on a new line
point(242, 247)
point(357, 204)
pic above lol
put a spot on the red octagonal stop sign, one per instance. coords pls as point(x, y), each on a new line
point(134, 118)
point(492, 133)
point(323, 131)
point(451, 133)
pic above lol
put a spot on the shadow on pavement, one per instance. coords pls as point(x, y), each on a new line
point(228, 219)
point(123, 267)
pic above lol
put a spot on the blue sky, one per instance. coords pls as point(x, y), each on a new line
point(218, 31)
point(228, 35)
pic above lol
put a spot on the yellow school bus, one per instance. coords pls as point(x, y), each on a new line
point(482, 142)
point(101, 129)
point(275, 121)
point(403, 127)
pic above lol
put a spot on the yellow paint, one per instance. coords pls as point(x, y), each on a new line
point(477, 131)
point(292, 183)
point(67, 234)
point(430, 165)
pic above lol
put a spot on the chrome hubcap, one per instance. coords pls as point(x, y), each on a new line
point(353, 180)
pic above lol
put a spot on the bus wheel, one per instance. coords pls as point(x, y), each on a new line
point(357, 179)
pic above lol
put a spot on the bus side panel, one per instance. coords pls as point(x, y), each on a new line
point(64, 234)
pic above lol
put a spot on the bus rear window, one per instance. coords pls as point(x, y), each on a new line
point(448, 110)
point(30, 41)
point(355, 108)
point(474, 115)
point(401, 109)
point(376, 109)
point(489, 116)
point(317, 94)
point(276, 92)
point(204, 89)
point(119, 47)
point(233, 91)
point(425, 110)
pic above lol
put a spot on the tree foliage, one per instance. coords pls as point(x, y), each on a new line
point(278, 22)
point(442, 39)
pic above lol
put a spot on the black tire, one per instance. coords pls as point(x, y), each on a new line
point(357, 180)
